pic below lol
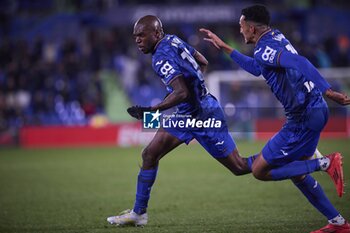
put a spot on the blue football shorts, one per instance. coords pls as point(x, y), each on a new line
point(297, 138)
point(217, 141)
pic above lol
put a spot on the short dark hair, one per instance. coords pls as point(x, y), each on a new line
point(257, 13)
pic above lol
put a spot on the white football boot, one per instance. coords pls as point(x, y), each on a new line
point(128, 218)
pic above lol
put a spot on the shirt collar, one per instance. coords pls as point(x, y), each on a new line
point(156, 46)
point(263, 34)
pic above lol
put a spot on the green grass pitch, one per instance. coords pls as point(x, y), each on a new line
point(74, 190)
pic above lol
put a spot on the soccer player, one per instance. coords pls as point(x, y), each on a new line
point(299, 87)
point(180, 67)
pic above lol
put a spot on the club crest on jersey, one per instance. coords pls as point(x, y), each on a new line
point(159, 62)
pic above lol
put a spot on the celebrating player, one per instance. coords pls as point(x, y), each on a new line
point(299, 87)
point(180, 68)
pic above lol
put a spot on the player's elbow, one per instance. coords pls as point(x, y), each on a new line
point(205, 63)
point(201, 60)
point(183, 95)
point(259, 175)
point(239, 172)
point(203, 68)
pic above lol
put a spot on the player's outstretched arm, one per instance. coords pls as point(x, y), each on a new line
point(216, 41)
point(245, 62)
point(302, 64)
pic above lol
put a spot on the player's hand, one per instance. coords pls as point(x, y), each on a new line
point(215, 40)
point(338, 97)
point(137, 111)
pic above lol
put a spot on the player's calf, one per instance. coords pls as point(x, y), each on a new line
point(149, 159)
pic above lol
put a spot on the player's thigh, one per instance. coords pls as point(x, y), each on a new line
point(162, 143)
point(216, 140)
point(290, 144)
point(218, 143)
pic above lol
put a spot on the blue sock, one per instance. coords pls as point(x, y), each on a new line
point(145, 181)
point(251, 160)
point(296, 168)
point(314, 193)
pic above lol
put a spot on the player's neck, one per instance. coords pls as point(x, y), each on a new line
point(262, 33)
point(155, 47)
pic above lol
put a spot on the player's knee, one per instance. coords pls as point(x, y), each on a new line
point(148, 158)
point(239, 169)
point(240, 165)
point(239, 172)
point(298, 179)
point(259, 175)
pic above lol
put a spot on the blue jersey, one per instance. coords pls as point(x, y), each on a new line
point(295, 91)
point(174, 57)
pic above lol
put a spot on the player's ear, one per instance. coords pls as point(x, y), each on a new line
point(158, 34)
point(253, 28)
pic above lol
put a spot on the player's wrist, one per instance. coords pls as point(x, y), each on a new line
point(329, 92)
point(228, 49)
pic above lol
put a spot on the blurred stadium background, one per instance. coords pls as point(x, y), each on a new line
point(69, 70)
point(72, 66)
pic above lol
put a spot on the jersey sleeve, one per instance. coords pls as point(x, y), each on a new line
point(289, 60)
point(190, 49)
point(245, 62)
point(166, 68)
point(268, 55)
